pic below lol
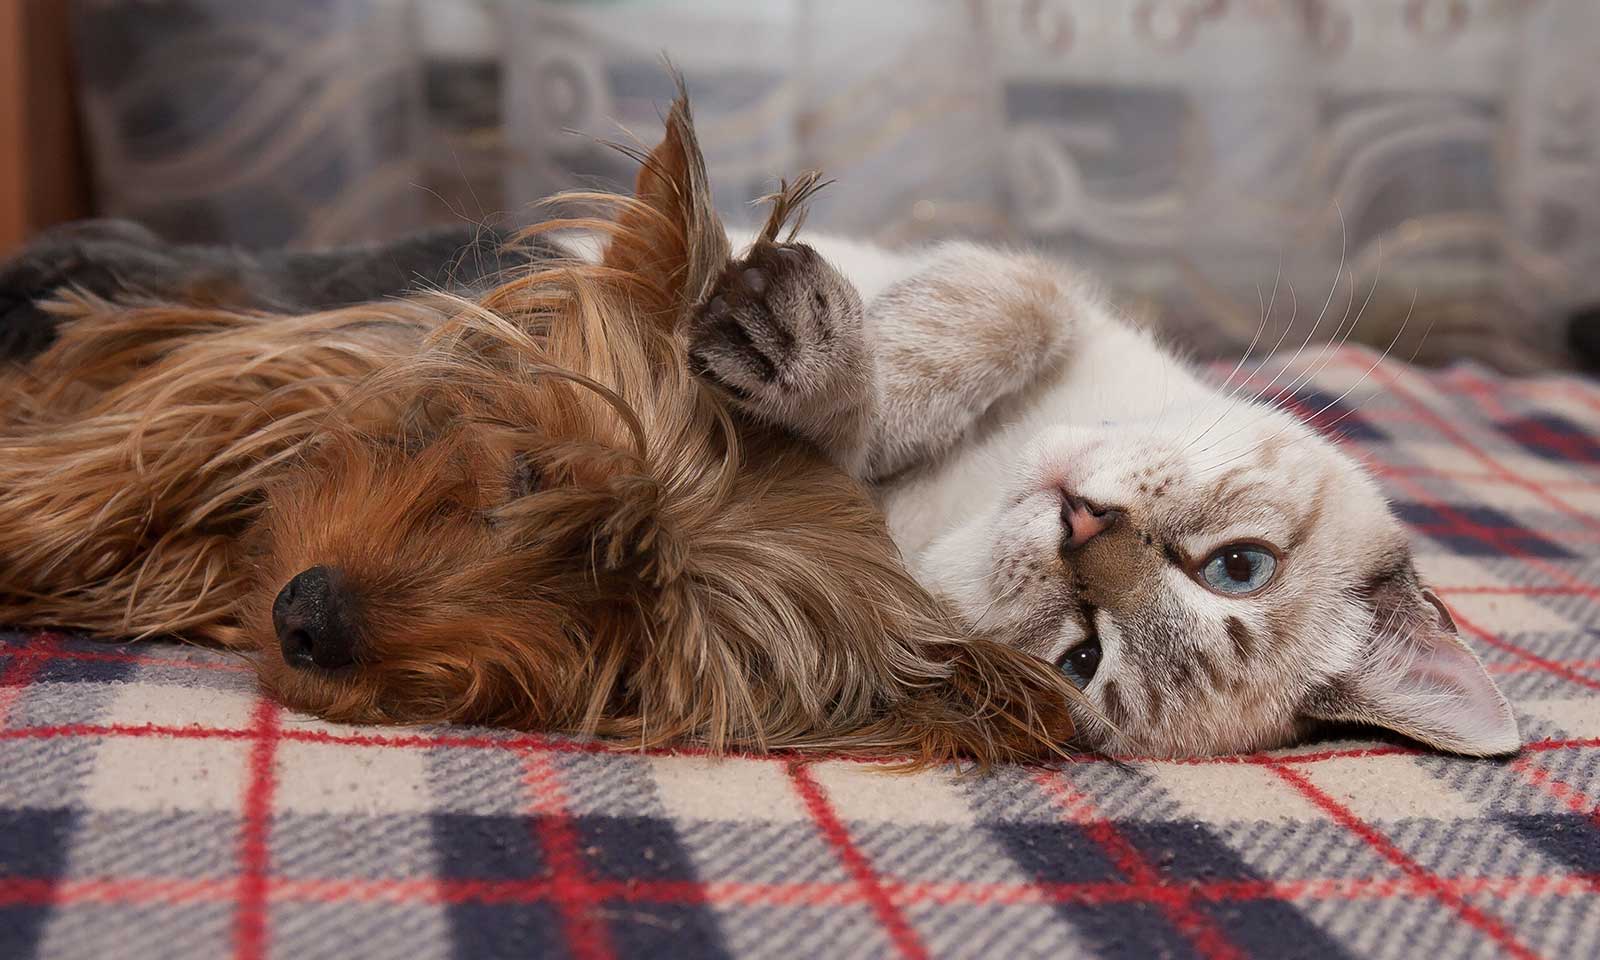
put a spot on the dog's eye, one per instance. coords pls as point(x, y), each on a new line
point(527, 476)
point(1239, 569)
point(1081, 661)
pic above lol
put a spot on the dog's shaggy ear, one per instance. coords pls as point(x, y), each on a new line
point(996, 704)
point(670, 237)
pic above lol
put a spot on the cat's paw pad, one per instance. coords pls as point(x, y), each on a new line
point(774, 324)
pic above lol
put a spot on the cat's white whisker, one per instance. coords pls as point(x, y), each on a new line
point(1333, 289)
point(1311, 420)
point(1326, 357)
point(1375, 364)
point(1313, 367)
point(1393, 342)
point(1330, 348)
point(1341, 336)
point(1265, 306)
point(1291, 363)
point(1231, 401)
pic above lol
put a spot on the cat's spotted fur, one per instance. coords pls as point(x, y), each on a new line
point(1055, 473)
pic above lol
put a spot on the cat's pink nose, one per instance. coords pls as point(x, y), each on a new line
point(1082, 521)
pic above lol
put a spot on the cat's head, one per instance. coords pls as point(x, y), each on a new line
point(1219, 593)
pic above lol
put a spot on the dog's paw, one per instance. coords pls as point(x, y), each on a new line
point(88, 255)
point(781, 327)
point(26, 330)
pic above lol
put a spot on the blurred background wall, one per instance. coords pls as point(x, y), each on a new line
point(1432, 159)
point(42, 175)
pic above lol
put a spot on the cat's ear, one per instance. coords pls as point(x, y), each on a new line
point(1417, 678)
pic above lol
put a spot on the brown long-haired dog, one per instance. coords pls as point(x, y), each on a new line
point(518, 510)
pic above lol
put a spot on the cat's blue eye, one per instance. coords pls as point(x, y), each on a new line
point(1239, 569)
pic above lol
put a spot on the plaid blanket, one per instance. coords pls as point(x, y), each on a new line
point(152, 805)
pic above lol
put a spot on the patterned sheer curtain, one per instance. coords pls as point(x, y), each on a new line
point(1435, 162)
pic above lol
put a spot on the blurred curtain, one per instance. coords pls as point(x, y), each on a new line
point(1437, 161)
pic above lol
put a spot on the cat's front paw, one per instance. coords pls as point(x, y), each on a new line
point(781, 331)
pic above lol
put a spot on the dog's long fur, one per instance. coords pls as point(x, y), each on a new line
point(547, 521)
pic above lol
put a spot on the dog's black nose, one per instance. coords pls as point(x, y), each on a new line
point(312, 616)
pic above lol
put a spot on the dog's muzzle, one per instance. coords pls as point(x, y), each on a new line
point(313, 617)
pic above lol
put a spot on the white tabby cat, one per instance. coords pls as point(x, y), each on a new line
point(1215, 575)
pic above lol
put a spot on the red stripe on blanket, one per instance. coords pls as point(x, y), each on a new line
point(1527, 656)
point(1470, 476)
point(866, 879)
point(250, 919)
point(569, 881)
point(1536, 667)
point(1503, 540)
point(1576, 800)
point(1391, 379)
point(1172, 899)
point(1462, 380)
point(419, 742)
point(1385, 848)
